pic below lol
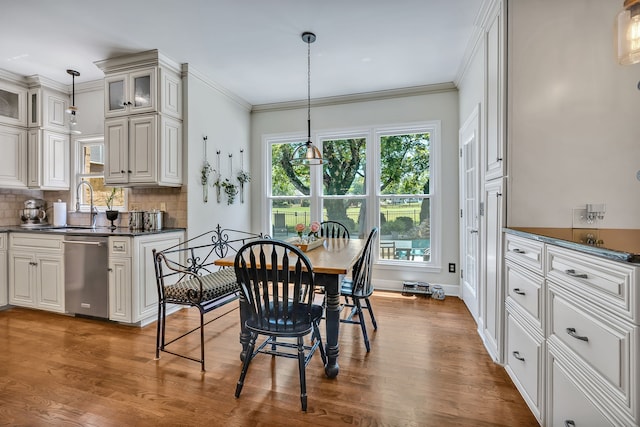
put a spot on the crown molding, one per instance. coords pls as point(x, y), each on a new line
point(189, 70)
point(359, 97)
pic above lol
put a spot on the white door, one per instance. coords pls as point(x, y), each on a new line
point(469, 203)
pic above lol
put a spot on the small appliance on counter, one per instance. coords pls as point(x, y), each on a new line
point(136, 220)
point(34, 213)
point(153, 220)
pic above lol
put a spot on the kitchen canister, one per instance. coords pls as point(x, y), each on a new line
point(153, 220)
point(136, 220)
point(59, 213)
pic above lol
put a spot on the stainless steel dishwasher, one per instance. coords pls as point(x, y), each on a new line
point(86, 275)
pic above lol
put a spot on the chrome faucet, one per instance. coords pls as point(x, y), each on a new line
point(92, 209)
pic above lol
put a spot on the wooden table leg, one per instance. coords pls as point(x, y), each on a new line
point(331, 283)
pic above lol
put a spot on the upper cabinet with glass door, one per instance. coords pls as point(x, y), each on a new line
point(146, 82)
point(131, 93)
point(13, 105)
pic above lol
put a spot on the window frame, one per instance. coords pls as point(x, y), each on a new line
point(79, 142)
point(372, 189)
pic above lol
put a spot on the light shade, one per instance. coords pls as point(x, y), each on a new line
point(628, 33)
point(308, 154)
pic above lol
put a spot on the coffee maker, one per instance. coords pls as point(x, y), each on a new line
point(34, 213)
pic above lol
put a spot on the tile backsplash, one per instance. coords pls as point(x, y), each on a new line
point(174, 200)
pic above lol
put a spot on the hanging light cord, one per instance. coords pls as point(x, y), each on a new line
point(308, 90)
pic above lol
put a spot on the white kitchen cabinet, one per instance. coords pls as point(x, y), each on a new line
point(144, 82)
point(581, 312)
point(133, 295)
point(13, 161)
point(48, 160)
point(4, 290)
point(494, 149)
point(492, 289)
point(47, 107)
point(131, 92)
point(13, 104)
point(36, 271)
point(145, 294)
point(120, 309)
point(143, 150)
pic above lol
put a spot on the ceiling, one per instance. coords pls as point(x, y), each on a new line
point(252, 48)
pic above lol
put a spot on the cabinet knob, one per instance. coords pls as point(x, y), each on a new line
point(129, 171)
point(122, 171)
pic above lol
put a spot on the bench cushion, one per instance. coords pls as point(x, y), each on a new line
point(214, 285)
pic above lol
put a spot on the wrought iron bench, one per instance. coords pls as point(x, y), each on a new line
point(186, 275)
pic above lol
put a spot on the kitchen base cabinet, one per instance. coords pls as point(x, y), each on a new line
point(576, 316)
point(133, 295)
point(524, 360)
point(36, 271)
point(4, 291)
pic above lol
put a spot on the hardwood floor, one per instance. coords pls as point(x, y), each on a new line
point(427, 367)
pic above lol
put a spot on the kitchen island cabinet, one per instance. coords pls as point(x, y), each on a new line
point(133, 296)
point(573, 313)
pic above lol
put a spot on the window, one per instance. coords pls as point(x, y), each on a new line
point(380, 177)
point(90, 168)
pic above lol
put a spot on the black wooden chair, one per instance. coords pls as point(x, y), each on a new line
point(359, 287)
point(276, 306)
point(333, 229)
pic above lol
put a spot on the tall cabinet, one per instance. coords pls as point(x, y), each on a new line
point(493, 172)
point(143, 120)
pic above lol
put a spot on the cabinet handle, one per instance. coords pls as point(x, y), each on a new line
point(519, 291)
point(516, 354)
point(473, 231)
point(109, 269)
point(498, 159)
point(572, 332)
point(571, 272)
point(518, 251)
point(128, 171)
point(569, 423)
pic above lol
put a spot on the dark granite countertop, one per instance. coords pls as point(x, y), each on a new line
point(612, 243)
point(88, 231)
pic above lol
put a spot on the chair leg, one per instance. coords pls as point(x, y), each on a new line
point(245, 365)
point(301, 368)
point(316, 333)
point(160, 329)
point(362, 324)
point(202, 341)
point(373, 318)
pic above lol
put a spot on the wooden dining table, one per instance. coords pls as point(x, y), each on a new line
point(331, 262)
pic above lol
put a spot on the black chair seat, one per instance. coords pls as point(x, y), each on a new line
point(285, 326)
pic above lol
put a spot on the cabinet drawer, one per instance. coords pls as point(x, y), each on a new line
point(525, 252)
point(526, 290)
point(120, 247)
point(570, 406)
point(35, 241)
point(604, 342)
point(524, 362)
point(605, 283)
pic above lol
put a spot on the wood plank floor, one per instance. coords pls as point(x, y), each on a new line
point(427, 367)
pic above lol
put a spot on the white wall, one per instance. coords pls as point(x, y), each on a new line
point(90, 103)
point(573, 125)
point(226, 123)
point(436, 106)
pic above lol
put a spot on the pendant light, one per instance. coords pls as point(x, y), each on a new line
point(73, 120)
point(628, 33)
point(308, 153)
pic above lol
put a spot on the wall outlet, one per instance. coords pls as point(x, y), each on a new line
point(452, 267)
point(163, 206)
